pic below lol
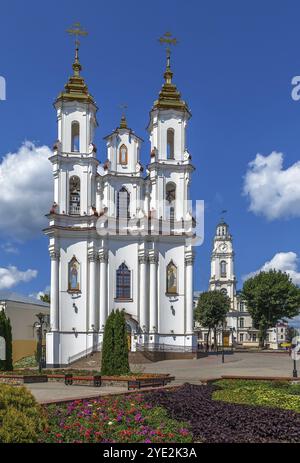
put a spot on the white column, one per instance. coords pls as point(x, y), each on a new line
point(92, 291)
point(153, 328)
point(189, 315)
point(143, 293)
point(54, 297)
point(103, 290)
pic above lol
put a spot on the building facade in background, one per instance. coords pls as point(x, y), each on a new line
point(118, 235)
point(22, 311)
point(239, 329)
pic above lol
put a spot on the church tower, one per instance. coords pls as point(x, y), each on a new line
point(170, 166)
point(222, 262)
point(120, 235)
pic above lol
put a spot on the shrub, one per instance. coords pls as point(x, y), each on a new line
point(120, 344)
point(107, 366)
point(21, 418)
point(115, 348)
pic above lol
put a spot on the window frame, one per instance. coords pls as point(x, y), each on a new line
point(121, 287)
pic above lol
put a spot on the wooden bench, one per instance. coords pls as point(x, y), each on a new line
point(96, 379)
point(146, 382)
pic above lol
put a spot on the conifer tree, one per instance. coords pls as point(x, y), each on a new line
point(5, 332)
point(107, 367)
point(120, 344)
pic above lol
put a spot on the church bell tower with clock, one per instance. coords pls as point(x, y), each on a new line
point(222, 262)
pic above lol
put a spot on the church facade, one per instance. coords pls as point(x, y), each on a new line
point(119, 233)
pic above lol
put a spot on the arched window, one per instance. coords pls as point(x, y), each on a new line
point(123, 290)
point(74, 195)
point(170, 192)
point(223, 270)
point(75, 137)
point(74, 275)
point(171, 278)
point(123, 203)
point(170, 144)
point(123, 155)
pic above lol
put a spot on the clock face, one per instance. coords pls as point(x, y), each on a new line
point(223, 247)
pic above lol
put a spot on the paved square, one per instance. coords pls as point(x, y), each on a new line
point(192, 371)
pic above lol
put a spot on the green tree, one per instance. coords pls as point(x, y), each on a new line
point(270, 297)
point(291, 333)
point(120, 344)
point(115, 348)
point(211, 311)
point(45, 298)
point(6, 333)
point(107, 366)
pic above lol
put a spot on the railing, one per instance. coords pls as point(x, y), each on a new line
point(74, 209)
point(85, 353)
point(165, 348)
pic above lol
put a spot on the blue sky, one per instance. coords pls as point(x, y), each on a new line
point(233, 65)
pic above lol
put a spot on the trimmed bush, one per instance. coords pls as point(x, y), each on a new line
point(21, 418)
point(121, 363)
point(107, 367)
point(115, 348)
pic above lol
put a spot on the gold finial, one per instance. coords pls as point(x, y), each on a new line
point(123, 123)
point(168, 40)
point(77, 31)
point(222, 215)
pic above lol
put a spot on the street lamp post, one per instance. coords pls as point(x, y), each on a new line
point(295, 373)
point(223, 359)
point(39, 327)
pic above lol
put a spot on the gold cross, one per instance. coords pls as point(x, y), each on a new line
point(123, 107)
point(168, 40)
point(77, 31)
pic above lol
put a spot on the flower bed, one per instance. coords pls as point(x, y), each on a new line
point(275, 394)
point(217, 421)
point(127, 418)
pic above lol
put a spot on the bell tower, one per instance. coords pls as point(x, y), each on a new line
point(170, 165)
point(74, 153)
point(222, 262)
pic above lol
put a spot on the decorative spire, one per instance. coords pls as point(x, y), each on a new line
point(76, 88)
point(123, 123)
point(169, 97)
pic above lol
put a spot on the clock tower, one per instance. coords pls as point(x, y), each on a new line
point(222, 262)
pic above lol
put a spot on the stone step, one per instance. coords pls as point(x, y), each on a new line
point(93, 361)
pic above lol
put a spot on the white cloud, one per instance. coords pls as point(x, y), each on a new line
point(26, 187)
point(9, 248)
point(40, 293)
point(284, 261)
point(11, 276)
point(273, 192)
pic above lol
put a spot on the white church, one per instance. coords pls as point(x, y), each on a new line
point(120, 233)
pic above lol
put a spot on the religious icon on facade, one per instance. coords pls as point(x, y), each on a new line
point(123, 155)
point(171, 278)
point(74, 275)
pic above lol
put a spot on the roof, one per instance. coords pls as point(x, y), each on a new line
point(15, 297)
